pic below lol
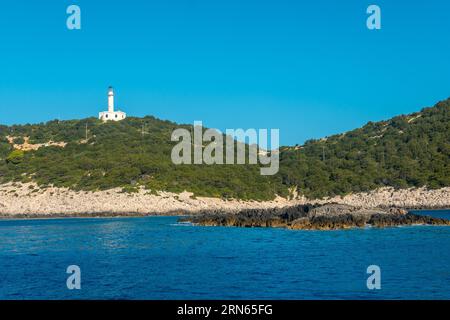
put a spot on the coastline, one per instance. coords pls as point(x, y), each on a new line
point(27, 201)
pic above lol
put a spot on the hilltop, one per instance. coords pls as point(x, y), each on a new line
point(133, 154)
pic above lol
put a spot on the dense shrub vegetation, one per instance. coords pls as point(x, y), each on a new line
point(406, 151)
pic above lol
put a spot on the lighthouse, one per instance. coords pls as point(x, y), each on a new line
point(111, 115)
point(110, 99)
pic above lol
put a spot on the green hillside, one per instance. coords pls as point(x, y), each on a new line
point(130, 153)
point(406, 151)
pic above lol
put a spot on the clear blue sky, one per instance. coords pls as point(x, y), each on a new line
point(309, 68)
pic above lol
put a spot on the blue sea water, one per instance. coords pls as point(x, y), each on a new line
point(158, 258)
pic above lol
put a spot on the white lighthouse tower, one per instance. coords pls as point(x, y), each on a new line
point(111, 115)
point(110, 99)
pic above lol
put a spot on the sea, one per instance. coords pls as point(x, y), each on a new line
point(160, 258)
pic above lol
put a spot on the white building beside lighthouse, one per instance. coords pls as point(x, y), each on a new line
point(111, 115)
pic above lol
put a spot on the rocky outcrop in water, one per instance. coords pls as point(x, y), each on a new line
point(314, 217)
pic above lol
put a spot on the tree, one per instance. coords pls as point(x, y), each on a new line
point(15, 157)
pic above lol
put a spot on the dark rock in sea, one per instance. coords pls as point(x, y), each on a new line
point(314, 217)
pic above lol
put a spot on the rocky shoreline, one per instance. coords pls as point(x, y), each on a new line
point(315, 217)
point(28, 201)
